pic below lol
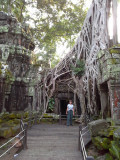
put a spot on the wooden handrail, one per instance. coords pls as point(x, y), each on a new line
point(81, 144)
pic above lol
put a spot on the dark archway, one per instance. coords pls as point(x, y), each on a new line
point(63, 106)
point(105, 100)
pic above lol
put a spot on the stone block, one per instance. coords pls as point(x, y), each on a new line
point(96, 126)
point(116, 134)
point(5, 132)
point(3, 15)
point(15, 130)
point(101, 158)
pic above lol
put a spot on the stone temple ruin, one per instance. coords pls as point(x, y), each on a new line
point(96, 92)
point(16, 48)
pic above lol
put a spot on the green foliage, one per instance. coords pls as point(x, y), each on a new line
point(79, 69)
point(101, 143)
point(115, 150)
point(51, 104)
point(61, 20)
point(108, 157)
point(54, 21)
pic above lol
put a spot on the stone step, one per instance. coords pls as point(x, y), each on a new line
point(52, 142)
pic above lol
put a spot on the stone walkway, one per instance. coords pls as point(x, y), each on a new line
point(51, 142)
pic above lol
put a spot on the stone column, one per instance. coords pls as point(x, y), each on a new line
point(114, 90)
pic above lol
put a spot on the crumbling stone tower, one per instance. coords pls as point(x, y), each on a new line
point(16, 47)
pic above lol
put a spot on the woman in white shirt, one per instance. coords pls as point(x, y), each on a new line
point(70, 113)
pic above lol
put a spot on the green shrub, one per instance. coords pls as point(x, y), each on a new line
point(79, 69)
point(51, 104)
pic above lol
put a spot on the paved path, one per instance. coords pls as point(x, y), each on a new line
point(51, 142)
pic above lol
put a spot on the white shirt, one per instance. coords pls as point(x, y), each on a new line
point(70, 107)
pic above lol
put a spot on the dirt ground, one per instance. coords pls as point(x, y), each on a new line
point(10, 154)
point(93, 151)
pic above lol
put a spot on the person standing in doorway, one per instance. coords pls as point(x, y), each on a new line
point(70, 113)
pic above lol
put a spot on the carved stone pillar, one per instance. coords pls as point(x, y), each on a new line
point(114, 91)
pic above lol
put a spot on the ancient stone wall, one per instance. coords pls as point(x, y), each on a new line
point(16, 47)
point(109, 81)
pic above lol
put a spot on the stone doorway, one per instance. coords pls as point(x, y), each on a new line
point(105, 100)
point(63, 106)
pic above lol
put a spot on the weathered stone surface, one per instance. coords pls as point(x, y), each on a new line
point(116, 135)
point(52, 142)
point(16, 47)
point(96, 126)
point(107, 132)
point(12, 116)
point(15, 130)
point(9, 131)
point(5, 132)
point(117, 122)
point(101, 158)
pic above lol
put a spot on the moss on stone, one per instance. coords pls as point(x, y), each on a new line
point(1, 121)
point(101, 143)
point(5, 132)
point(114, 50)
point(16, 121)
point(5, 116)
point(18, 116)
point(9, 123)
point(12, 116)
point(15, 130)
point(47, 121)
point(106, 132)
point(26, 115)
point(47, 116)
point(4, 29)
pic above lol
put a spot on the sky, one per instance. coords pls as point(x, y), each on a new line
point(110, 25)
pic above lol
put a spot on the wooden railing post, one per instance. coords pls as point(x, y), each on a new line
point(25, 136)
point(30, 120)
point(21, 124)
point(21, 120)
point(36, 118)
point(79, 144)
point(60, 118)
